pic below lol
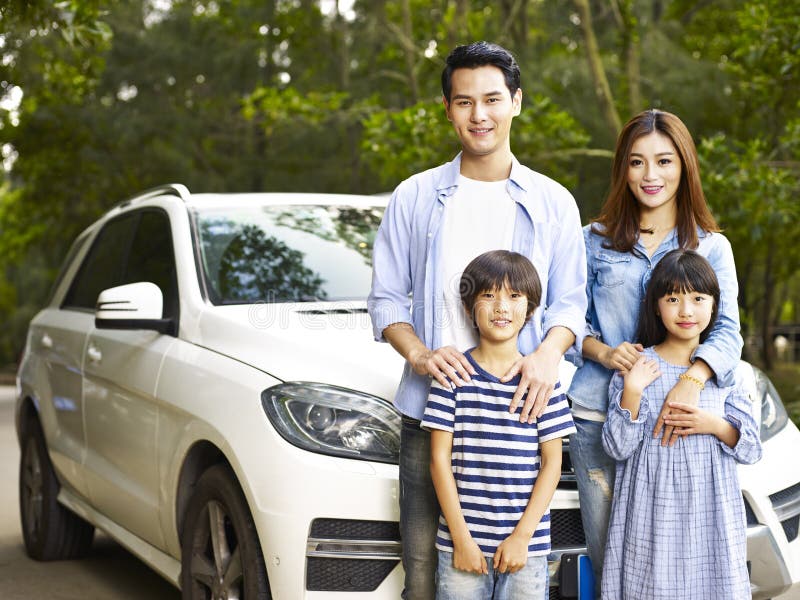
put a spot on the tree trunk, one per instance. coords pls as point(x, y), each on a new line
point(601, 87)
point(768, 353)
point(409, 51)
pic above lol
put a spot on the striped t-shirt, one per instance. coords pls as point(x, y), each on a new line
point(495, 458)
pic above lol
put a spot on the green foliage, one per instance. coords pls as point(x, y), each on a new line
point(247, 95)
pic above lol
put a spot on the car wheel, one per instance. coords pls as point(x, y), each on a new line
point(221, 555)
point(50, 531)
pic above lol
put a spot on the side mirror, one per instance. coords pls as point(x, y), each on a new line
point(133, 306)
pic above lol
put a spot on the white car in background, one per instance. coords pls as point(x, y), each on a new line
point(203, 386)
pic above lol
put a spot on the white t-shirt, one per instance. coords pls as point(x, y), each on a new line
point(479, 217)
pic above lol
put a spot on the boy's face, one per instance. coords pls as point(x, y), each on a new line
point(500, 314)
point(481, 109)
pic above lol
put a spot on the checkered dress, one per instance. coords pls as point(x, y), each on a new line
point(678, 526)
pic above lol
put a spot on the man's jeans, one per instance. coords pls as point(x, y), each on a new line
point(419, 512)
point(595, 472)
point(529, 583)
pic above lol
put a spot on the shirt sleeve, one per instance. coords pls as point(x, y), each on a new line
point(556, 420)
point(739, 414)
point(623, 435)
point(575, 354)
point(440, 410)
point(389, 299)
point(566, 290)
point(723, 347)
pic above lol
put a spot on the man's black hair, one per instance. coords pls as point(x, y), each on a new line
point(479, 54)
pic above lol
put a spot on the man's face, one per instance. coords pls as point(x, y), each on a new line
point(481, 109)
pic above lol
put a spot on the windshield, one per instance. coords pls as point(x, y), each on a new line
point(286, 253)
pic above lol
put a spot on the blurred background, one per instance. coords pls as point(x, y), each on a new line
point(100, 100)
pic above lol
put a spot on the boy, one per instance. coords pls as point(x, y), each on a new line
point(493, 474)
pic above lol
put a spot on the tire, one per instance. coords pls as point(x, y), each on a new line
point(230, 565)
point(50, 530)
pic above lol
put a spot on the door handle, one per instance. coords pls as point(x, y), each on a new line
point(47, 341)
point(94, 354)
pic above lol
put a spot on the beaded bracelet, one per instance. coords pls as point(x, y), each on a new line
point(694, 380)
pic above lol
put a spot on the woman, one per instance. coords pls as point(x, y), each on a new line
point(655, 204)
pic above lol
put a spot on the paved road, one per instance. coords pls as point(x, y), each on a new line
point(109, 573)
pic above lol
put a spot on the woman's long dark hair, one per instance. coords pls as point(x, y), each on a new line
point(680, 271)
point(618, 220)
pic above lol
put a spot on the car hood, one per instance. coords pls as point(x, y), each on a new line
point(322, 342)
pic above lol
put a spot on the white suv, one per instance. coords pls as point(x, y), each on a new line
point(203, 386)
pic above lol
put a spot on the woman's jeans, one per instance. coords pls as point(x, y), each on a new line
point(595, 472)
point(532, 582)
point(419, 512)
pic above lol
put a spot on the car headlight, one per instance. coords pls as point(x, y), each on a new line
point(773, 413)
point(335, 421)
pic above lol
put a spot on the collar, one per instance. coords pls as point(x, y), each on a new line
point(449, 180)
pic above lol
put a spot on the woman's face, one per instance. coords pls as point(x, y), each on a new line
point(654, 172)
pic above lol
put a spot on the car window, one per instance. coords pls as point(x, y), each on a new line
point(286, 253)
point(134, 247)
point(152, 259)
point(103, 266)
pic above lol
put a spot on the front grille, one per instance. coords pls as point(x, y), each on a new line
point(349, 555)
point(566, 528)
point(786, 504)
point(748, 511)
point(790, 527)
point(786, 496)
point(554, 593)
point(346, 575)
point(345, 529)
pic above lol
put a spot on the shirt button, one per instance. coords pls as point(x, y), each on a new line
point(430, 234)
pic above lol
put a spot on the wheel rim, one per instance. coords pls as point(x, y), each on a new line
point(32, 493)
point(216, 565)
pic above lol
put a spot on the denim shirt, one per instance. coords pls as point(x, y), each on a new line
point(615, 289)
point(407, 277)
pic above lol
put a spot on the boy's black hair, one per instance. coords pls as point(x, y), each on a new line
point(680, 271)
point(498, 268)
point(479, 54)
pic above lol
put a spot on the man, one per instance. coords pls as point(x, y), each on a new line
point(436, 222)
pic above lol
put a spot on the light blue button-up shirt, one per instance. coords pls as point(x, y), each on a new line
point(407, 284)
point(615, 287)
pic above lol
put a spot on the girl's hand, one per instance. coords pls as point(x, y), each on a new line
point(512, 554)
point(642, 373)
point(691, 419)
point(622, 357)
point(468, 557)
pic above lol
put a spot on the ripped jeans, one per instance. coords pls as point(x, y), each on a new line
point(595, 471)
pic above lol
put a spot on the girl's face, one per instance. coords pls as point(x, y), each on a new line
point(500, 314)
point(654, 171)
point(685, 315)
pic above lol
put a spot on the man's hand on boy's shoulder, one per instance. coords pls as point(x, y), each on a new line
point(538, 376)
point(445, 365)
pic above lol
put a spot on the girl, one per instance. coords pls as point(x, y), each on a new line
point(655, 204)
point(678, 526)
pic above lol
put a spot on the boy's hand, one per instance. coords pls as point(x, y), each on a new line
point(512, 554)
point(468, 557)
point(642, 373)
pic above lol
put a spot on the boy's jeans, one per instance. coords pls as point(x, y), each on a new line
point(595, 471)
point(532, 582)
point(419, 512)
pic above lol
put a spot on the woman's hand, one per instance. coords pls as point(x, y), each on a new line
point(468, 557)
point(621, 358)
